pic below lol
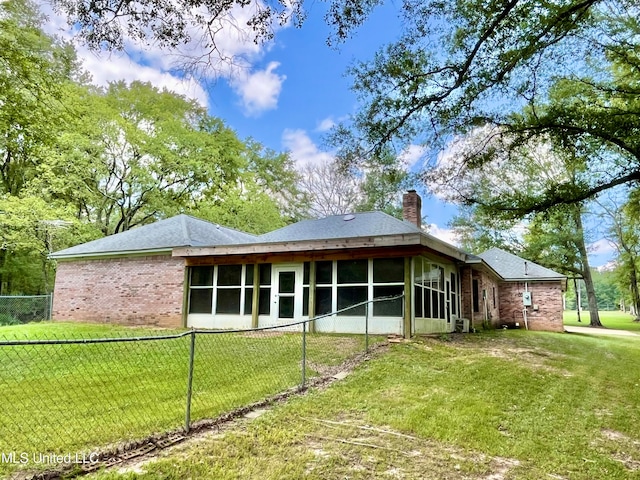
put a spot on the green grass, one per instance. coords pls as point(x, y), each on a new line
point(506, 404)
point(66, 398)
point(610, 319)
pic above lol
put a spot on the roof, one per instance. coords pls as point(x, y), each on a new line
point(367, 224)
point(512, 267)
point(162, 236)
point(336, 232)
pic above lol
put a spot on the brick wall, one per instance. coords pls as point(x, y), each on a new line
point(546, 295)
point(130, 291)
point(489, 284)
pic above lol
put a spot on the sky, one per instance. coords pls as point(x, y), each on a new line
point(285, 94)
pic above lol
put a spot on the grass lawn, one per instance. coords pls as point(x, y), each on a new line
point(610, 319)
point(65, 398)
point(501, 405)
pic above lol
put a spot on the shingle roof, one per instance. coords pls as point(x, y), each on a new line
point(178, 231)
point(512, 267)
point(366, 224)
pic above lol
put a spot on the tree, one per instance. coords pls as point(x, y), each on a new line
point(265, 196)
point(35, 73)
point(30, 229)
point(624, 233)
point(140, 154)
point(375, 185)
point(196, 28)
point(464, 64)
point(332, 190)
point(555, 238)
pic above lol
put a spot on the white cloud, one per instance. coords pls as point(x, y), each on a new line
point(411, 155)
point(123, 68)
point(602, 247)
point(303, 150)
point(236, 53)
point(259, 91)
point(326, 124)
point(444, 234)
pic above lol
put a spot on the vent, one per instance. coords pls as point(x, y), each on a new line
point(348, 217)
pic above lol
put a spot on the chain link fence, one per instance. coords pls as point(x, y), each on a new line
point(17, 309)
point(66, 396)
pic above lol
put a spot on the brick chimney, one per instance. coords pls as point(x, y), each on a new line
point(412, 208)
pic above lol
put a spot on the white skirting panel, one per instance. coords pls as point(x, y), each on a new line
point(218, 322)
point(433, 325)
point(265, 321)
point(377, 325)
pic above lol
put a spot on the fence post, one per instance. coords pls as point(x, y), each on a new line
point(366, 328)
point(192, 348)
point(50, 307)
point(304, 354)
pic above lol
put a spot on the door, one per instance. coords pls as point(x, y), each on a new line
point(286, 294)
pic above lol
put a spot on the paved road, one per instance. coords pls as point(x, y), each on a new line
point(599, 331)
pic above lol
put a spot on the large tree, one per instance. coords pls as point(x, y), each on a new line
point(137, 154)
point(36, 72)
point(565, 72)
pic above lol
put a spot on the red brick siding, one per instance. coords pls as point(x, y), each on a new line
point(485, 282)
point(546, 295)
point(130, 291)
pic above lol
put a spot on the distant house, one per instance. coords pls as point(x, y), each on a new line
point(187, 272)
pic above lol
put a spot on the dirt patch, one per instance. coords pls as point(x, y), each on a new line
point(621, 448)
point(350, 446)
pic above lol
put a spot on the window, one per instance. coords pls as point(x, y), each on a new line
point(201, 291)
point(229, 289)
point(352, 271)
point(388, 270)
point(343, 283)
point(221, 289)
point(476, 295)
point(434, 297)
point(264, 296)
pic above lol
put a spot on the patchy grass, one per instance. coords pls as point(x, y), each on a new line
point(500, 405)
point(610, 319)
point(70, 397)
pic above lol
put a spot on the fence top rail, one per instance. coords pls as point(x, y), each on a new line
point(25, 296)
point(77, 341)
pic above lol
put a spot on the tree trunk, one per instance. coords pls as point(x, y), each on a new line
point(575, 287)
point(635, 292)
point(586, 274)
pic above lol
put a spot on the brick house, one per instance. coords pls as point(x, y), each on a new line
point(185, 272)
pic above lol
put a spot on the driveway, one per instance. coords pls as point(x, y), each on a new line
point(599, 331)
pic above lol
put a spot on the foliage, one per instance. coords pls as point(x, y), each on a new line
point(35, 73)
point(511, 404)
point(376, 184)
point(6, 319)
point(607, 291)
point(78, 162)
point(30, 229)
point(500, 68)
point(196, 28)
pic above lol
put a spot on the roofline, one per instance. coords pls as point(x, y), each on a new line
point(111, 254)
point(535, 279)
point(396, 239)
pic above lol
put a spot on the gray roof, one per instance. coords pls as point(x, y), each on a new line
point(512, 267)
point(366, 224)
point(178, 231)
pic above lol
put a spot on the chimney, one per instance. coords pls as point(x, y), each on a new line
point(412, 208)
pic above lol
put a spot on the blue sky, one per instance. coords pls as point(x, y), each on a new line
point(286, 94)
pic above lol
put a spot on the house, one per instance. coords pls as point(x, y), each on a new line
point(187, 272)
